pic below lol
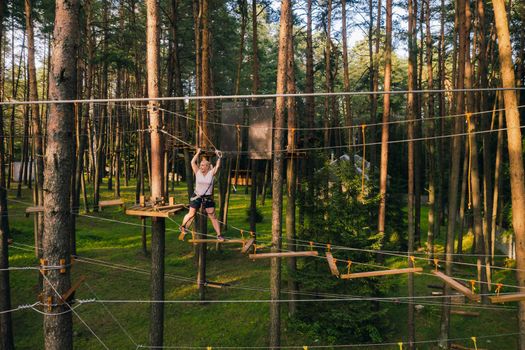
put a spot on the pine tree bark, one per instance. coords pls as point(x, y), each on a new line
point(277, 183)
point(156, 329)
point(410, 208)
point(35, 123)
point(6, 324)
point(291, 173)
point(57, 173)
point(383, 170)
point(346, 79)
point(514, 142)
point(431, 144)
point(454, 172)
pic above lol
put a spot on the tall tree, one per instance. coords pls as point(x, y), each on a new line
point(291, 171)
point(383, 172)
point(411, 109)
point(6, 325)
point(515, 148)
point(346, 77)
point(38, 198)
point(58, 332)
point(453, 182)
point(277, 184)
point(158, 226)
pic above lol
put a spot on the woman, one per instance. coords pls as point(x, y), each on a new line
point(203, 193)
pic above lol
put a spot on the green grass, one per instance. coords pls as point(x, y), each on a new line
point(222, 324)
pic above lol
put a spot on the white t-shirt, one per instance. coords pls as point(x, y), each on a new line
point(204, 183)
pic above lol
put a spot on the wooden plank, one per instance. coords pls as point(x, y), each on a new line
point(168, 207)
point(226, 241)
point(73, 288)
point(332, 264)
point(457, 286)
point(464, 313)
point(248, 245)
point(215, 284)
point(381, 273)
point(504, 298)
point(283, 255)
point(110, 203)
point(32, 210)
point(150, 213)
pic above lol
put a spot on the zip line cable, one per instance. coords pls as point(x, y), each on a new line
point(328, 296)
point(76, 313)
point(255, 96)
point(305, 347)
point(315, 244)
point(392, 122)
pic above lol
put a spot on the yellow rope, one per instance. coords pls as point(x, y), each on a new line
point(469, 162)
point(474, 340)
point(363, 127)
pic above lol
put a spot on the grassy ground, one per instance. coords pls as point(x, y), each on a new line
point(124, 326)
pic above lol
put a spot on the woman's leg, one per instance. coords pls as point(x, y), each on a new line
point(188, 217)
point(214, 221)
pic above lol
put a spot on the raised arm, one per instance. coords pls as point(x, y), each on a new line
point(218, 164)
point(195, 161)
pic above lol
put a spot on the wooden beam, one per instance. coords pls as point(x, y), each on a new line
point(457, 286)
point(461, 347)
point(208, 240)
point(504, 298)
point(150, 213)
point(215, 284)
point(74, 287)
point(110, 203)
point(248, 245)
point(331, 264)
point(381, 273)
point(171, 206)
point(464, 313)
point(283, 255)
point(32, 210)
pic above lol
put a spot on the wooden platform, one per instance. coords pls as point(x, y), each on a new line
point(457, 286)
point(283, 255)
point(504, 298)
point(34, 210)
point(381, 273)
point(155, 211)
point(111, 203)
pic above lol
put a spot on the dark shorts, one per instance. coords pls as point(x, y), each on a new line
point(205, 201)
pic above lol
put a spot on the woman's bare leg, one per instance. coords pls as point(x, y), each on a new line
point(214, 221)
point(188, 217)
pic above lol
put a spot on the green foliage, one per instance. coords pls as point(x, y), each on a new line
point(343, 215)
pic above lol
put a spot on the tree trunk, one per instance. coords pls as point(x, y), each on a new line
point(6, 325)
point(383, 171)
point(497, 181)
point(454, 173)
point(156, 328)
point(328, 75)
point(346, 79)
point(277, 183)
point(410, 209)
point(35, 124)
point(514, 142)
point(58, 332)
point(291, 173)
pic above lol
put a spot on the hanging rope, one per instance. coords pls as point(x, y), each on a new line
point(363, 127)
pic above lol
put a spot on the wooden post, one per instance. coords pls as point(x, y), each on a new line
point(156, 329)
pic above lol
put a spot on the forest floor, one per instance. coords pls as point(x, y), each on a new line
point(115, 268)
